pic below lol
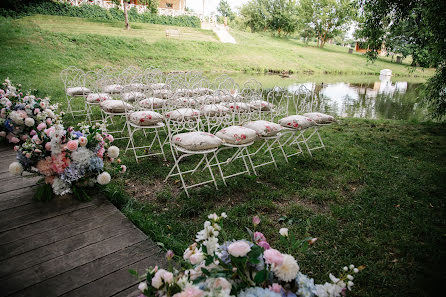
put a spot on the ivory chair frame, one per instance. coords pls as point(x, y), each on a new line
point(74, 77)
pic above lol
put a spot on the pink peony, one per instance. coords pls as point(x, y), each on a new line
point(48, 146)
point(49, 121)
point(190, 292)
point(45, 166)
point(36, 139)
point(273, 256)
point(41, 126)
point(33, 132)
point(109, 137)
point(239, 249)
point(36, 110)
point(258, 237)
point(60, 162)
point(14, 140)
point(264, 245)
point(101, 152)
point(275, 288)
point(49, 130)
point(72, 145)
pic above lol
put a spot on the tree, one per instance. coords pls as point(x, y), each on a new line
point(415, 28)
point(152, 5)
point(224, 9)
point(326, 18)
point(277, 16)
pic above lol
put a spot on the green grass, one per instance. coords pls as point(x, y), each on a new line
point(374, 197)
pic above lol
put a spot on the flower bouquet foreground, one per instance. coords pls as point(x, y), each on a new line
point(68, 160)
point(240, 268)
point(21, 115)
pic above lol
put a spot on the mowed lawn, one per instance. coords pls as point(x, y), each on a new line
point(374, 197)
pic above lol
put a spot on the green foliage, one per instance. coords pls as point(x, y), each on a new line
point(224, 9)
point(325, 19)
point(412, 28)
point(44, 192)
point(98, 13)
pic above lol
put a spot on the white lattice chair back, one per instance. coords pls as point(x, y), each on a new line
point(72, 77)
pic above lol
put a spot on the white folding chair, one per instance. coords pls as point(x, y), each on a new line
point(73, 79)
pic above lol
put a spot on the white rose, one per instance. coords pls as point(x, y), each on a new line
point(113, 152)
point(15, 168)
point(157, 282)
point(196, 258)
point(29, 122)
point(104, 178)
point(283, 232)
point(239, 249)
point(142, 286)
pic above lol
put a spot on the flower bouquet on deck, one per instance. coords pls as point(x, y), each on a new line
point(21, 116)
point(244, 268)
point(68, 160)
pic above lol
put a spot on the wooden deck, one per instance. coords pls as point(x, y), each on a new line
point(66, 247)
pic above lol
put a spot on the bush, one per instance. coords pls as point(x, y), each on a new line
point(95, 12)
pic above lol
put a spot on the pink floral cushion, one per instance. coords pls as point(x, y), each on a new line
point(152, 103)
point(264, 128)
point(112, 89)
point(237, 106)
point(184, 101)
point(208, 99)
point(163, 94)
point(320, 118)
point(261, 105)
point(297, 122)
point(214, 110)
point(157, 86)
point(145, 118)
point(77, 91)
point(237, 135)
point(183, 114)
point(132, 96)
point(196, 141)
point(98, 97)
point(115, 106)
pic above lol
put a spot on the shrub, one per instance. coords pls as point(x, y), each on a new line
point(94, 12)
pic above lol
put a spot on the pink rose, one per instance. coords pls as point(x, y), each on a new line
point(123, 168)
point(110, 137)
point(16, 148)
point(14, 140)
point(33, 132)
point(36, 139)
point(264, 245)
point(48, 146)
point(258, 237)
point(190, 292)
point(275, 288)
point(101, 152)
point(49, 121)
point(49, 130)
point(239, 249)
point(24, 137)
point(36, 110)
point(41, 126)
point(72, 145)
point(28, 155)
point(255, 220)
point(83, 141)
point(273, 256)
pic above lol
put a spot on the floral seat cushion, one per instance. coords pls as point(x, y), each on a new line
point(214, 110)
point(202, 91)
point(145, 118)
point(320, 118)
point(152, 103)
point(237, 135)
point(261, 105)
point(297, 122)
point(207, 99)
point(237, 106)
point(264, 128)
point(197, 141)
point(77, 91)
point(112, 89)
point(132, 96)
point(115, 106)
point(184, 102)
point(98, 97)
point(163, 94)
point(183, 114)
point(135, 86)
point(158, 86)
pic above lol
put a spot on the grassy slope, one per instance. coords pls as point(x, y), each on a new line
point(374, 197)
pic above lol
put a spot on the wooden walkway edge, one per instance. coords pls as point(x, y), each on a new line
point(66, 247)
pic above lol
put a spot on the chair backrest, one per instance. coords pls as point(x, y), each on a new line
point(280, 100)
point(72, 77)
point(302, 100)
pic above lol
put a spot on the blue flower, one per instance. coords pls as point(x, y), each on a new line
point(77, 134)
point(306, 285)
point(96, 164)
point(258, 292)
point(27, 163)
point(224, 254)
point(73, 173)
point(9, 126)
point(19, 107)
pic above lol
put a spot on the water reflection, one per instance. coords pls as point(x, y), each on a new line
point(383, 99)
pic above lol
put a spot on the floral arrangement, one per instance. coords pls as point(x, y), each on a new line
point(240, 268)
point(68, 159)
point(21, 116)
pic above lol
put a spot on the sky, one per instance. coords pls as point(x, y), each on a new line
point(211, 5)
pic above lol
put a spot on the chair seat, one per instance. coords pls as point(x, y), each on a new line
point(320, 118)
point(297, 122)
point(264, 128)
point(184, 102)
point(77, 91)
point(98, 97)
point(162, 93)
point(237, 106)
point(152, 103)
point(132, 96)
point(115, 106)
point(112, 89)
point(197, 141)
point(261, 105)
point(145, 118)
point(183, 114)
point(214, 110)
point(237, 135)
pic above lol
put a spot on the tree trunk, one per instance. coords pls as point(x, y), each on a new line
point(126, 16)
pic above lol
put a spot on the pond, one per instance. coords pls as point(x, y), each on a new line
point(362, 97)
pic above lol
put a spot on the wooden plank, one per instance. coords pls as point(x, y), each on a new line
point(116, 282)
point(18, 183)
point(53, 223)
point(100, 218)
point(24, 210)
point(17, 193)
point(46, 211)
point(90, 272)
point(117, 226)
point(11, 203)
point(132, 291)
point(23, 279)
